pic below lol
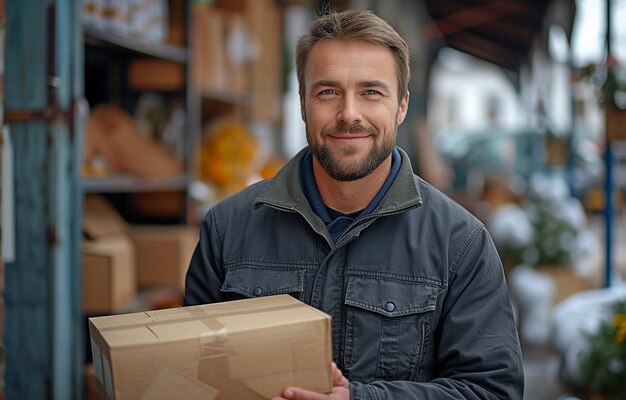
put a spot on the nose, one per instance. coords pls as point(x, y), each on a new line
point(349, 112)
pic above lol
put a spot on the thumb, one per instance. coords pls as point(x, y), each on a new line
point(338, 378)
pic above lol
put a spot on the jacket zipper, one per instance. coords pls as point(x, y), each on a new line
point(366, 218)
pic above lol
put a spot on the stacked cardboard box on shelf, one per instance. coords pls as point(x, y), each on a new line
point(119, 260)
point(109, 278)
point(265, 23)
point(236, 48)
point(155, 74)
point(213, 68)
point(112, 139)
point(162, 254)
point(248, 349)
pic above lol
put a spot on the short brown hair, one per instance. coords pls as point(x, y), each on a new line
point(354, 24)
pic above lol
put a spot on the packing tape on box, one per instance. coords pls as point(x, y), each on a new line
point(213, 363)
point(216, 333)
point(191, 313)
point(211, 341)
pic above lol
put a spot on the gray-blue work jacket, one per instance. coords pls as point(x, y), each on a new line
point(416, 290)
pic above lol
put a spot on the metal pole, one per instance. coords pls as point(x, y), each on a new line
point(608, 178)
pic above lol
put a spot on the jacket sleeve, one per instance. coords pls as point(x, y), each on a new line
point(205, 274)
point(476, 347)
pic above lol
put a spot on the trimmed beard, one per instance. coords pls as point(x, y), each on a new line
point(360, 169)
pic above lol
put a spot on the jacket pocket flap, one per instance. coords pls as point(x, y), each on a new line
point(392, 298)
point(252, 281)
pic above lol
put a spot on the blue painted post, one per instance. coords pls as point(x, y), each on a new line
point(608, 214)
point(27, 291)
point(42, 301)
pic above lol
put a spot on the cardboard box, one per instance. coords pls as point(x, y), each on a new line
point(247, 349)
point(176, 32)
point(160, 204)
point(155, 74)
point(566, 281)
point(113, 135)
point(208, 67)
point(109, 281)
point(264, 22)
point(100, 218)
point(91, 387)
point(615, 124)
point(162, 253)
point(108, 258)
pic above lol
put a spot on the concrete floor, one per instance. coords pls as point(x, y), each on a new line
point(541, 368)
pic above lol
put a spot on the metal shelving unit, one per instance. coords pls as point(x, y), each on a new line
point(113, 41)
point(103, 47)
point(131, 184)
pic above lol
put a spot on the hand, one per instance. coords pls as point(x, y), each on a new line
point(340, 391)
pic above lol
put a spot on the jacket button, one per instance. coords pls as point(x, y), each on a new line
point(257, 291)
point(390, 306)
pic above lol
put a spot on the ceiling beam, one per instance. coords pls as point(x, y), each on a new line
point(487, 50)
point(510, 17)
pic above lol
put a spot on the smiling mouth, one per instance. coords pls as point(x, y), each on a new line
point(349, 138)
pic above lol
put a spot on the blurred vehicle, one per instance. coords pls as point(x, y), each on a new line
point(517, 154)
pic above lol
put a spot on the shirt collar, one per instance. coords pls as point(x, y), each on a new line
point(314, 197)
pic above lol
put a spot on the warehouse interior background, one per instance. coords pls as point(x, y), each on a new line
point(124, 121)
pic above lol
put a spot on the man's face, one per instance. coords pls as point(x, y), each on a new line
point(350, 106)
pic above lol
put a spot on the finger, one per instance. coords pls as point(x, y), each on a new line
point(340, 393)
point(302, 394)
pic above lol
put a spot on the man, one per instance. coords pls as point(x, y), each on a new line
point(415, 288)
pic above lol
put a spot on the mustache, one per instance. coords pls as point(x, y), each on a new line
point(351, 129)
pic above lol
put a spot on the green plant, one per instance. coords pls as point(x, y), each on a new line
point(610, 80)
point(603, 366)
point(547, 227)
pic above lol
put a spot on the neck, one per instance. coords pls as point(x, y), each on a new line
point(351, 196)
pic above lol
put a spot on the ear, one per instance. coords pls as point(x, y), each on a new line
point(403, 107)
point(302, 109)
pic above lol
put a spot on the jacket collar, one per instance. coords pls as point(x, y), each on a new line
point(285, 192)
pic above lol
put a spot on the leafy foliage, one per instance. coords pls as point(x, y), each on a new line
point(610, 80)
point(548, 227)
point(603, 366)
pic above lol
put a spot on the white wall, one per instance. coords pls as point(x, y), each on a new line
point(462, 91)
point(296, 19)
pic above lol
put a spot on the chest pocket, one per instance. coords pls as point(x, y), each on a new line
point(255, 281)
point(388, 326)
